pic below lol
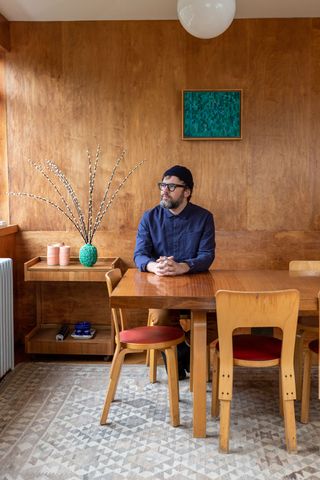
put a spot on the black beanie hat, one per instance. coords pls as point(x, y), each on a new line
point(181, 172)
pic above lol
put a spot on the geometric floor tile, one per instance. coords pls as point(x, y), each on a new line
point(49, 428)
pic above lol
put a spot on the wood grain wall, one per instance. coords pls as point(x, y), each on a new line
point(73, 85)
point(4, 203)
point(8, 241)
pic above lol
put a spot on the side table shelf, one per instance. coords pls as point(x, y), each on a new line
point(69, 285)
point(42, 339)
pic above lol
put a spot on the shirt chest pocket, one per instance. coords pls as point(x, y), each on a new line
point(189, 243)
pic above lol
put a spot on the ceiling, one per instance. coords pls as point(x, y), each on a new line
point(60, 10)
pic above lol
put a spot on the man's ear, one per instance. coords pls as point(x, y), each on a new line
point(187, 192)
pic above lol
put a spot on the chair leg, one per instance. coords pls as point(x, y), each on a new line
point(113, 382)
point(208, 364)
point(149, 324)
point(173, 385)
point(153, 361)
point(215, 384)
point(298, 363)
point(305, 398)
point(225, 407)
point(177, 367)
point(147, 358)
point(280, 395)
point(290, 425)
point(115, 355)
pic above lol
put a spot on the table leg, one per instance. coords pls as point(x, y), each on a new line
point(199, 351)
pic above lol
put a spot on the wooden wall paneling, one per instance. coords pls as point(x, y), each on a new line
point(93, 59)
point(264, 249)
point(279, 186)
point(155, 66)
point(4, 33)
point(8, 237)
point(8, 241)
point(35, 114)
point(220, 167)
point(62, 303)
point(76, 84)
point(235, 250)
point(4, 201)
point(25, 308)
point(128, 98)
point(314, 124)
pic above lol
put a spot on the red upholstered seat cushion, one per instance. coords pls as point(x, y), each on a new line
point(314, 346)
point(256, 347)
point(150, 334)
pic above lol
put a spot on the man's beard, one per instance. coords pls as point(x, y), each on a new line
point(171, 204)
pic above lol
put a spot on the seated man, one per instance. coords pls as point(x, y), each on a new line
point(174, 238)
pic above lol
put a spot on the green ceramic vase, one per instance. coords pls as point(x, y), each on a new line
point(88, 255)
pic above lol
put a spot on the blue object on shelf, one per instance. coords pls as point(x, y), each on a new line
point(82, 328)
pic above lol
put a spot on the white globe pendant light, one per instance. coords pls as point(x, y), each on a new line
point(206, 18)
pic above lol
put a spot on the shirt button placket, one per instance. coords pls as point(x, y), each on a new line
point(175, 238)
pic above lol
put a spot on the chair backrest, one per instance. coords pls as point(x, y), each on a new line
point(113, 277)
point(256, 309)
point(304, 266)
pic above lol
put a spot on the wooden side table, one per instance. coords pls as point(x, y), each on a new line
point(66, 295)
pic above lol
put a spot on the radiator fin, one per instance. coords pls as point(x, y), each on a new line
point(6, 317)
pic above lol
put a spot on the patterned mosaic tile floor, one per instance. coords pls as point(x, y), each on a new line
point(49, 429)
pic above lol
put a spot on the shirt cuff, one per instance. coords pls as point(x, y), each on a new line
point(190, 264)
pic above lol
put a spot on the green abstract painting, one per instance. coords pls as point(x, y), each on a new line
point(211, 114)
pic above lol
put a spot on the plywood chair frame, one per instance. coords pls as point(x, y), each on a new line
point(152, 359)
point(152, 356)
point(169, 338)
point(254, 309)
point(307, 324)
point(310, 357)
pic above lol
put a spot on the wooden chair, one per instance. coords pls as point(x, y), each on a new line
point(254, 309)
point(308, 325)
point(311, 356)
point(152, 356)
point(142, 339)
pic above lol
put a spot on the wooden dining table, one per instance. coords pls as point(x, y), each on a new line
point(197, 293)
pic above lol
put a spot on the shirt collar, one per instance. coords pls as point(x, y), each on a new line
point(182, 214)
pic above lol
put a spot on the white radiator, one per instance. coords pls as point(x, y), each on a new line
point(6, 317)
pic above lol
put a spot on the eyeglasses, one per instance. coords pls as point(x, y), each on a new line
point(170, 186)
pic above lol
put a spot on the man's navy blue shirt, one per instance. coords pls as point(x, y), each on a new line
point(189, 237)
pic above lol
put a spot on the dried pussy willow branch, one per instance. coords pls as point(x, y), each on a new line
point(40, 169)
point(113, 196)
point(98, 216)
point(92, 178)
point(67, 185)
point(89, 228)
point(49, 202)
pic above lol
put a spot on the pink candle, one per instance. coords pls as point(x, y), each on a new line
point(52, 255)
point(64, 255)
